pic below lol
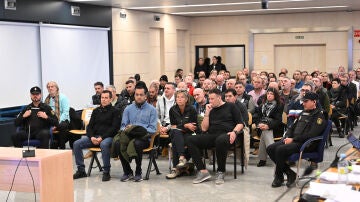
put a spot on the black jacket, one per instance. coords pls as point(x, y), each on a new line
point(309, 124)
point(34, 121)
point(104, 122)
point(178, 119)
point(274, 120)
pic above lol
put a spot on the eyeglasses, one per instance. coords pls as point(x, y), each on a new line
point(305, 90)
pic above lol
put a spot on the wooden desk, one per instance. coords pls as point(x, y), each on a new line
point(51, 170)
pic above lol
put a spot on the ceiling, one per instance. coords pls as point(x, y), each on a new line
point(228, 7)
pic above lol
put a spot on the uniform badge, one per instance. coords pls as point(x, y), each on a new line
point(52, 112)
point(319, 121)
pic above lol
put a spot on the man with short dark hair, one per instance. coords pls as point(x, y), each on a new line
point(222, 122)
point(128, 92)
point(230, 96)
point(139, 113)
point(36, 119)
point(103, 125)
point(99, 87)
point(310, 123)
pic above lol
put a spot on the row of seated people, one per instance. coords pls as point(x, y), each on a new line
point(229, 84)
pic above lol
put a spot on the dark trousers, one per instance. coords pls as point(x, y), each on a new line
point(279, 153)
point(42, 135)
point(178, 139)
point(221, 142)
point(139, 146)
point(62, 136)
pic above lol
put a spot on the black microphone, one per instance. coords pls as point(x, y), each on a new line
point(336, 159)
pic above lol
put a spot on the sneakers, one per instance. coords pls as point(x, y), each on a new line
point(126, 177)
point(88, 155)
point(182, 163)
point(138, 178)
point(79, 174)
point(220, 178)
point(201, 177)
point(106, 177)
point(174, 173)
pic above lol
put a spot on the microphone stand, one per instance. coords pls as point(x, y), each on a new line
point(27, 152)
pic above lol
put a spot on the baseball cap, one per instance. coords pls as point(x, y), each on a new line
point(35, 90)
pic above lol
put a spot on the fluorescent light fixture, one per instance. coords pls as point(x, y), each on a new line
point(217, 4)
point(255, 10)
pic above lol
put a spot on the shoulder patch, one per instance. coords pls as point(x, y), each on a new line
point(319, 121)
point(52, 112)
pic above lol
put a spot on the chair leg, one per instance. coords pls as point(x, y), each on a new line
point(235, 174)
point(156, 167)
point(98, 162)
point(214, 158)
point(242, 151)
point(149, 166)
point(298, 170)
point(169, 154)
point(91, 164)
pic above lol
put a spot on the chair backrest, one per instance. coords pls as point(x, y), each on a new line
point(321, 146)
point(284, 118)
point(86, 115)
point(250, 119)
point(153, 137)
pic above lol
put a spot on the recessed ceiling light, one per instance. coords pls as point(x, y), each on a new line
point(216, 4)
point(255, 10)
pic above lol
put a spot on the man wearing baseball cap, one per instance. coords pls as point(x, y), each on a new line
point(35, 120)
point(310, 123)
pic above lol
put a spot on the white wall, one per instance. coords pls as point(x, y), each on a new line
point(142, 45)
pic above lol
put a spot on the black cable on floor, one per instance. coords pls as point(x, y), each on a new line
point(31, 178)
point(12, 183)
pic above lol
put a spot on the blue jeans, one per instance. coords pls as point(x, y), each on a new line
point(85, 142)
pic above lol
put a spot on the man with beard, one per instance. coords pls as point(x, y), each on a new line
point(103, 125)
point(139, 113)
point(36, 119)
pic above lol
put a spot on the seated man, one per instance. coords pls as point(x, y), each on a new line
point(59, 103)
point(310, 123)
point(36, 119)
point(139, 113)
point(222, 121)
point(103, 125)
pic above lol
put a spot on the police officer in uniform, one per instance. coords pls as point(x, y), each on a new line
point(310, 123)
point(36, 119)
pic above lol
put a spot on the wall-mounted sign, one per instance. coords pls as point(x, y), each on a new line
point(357, 33)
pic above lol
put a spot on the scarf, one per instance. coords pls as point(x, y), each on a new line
point(268, 107)
point(57, 104)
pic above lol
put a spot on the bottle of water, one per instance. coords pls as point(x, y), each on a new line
point(342, 167)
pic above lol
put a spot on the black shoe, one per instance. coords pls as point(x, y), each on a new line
point(277, 182)
point(291, 177)
point(341, 134)
point(106, 177)
point(261, 163)
point(79, 174)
